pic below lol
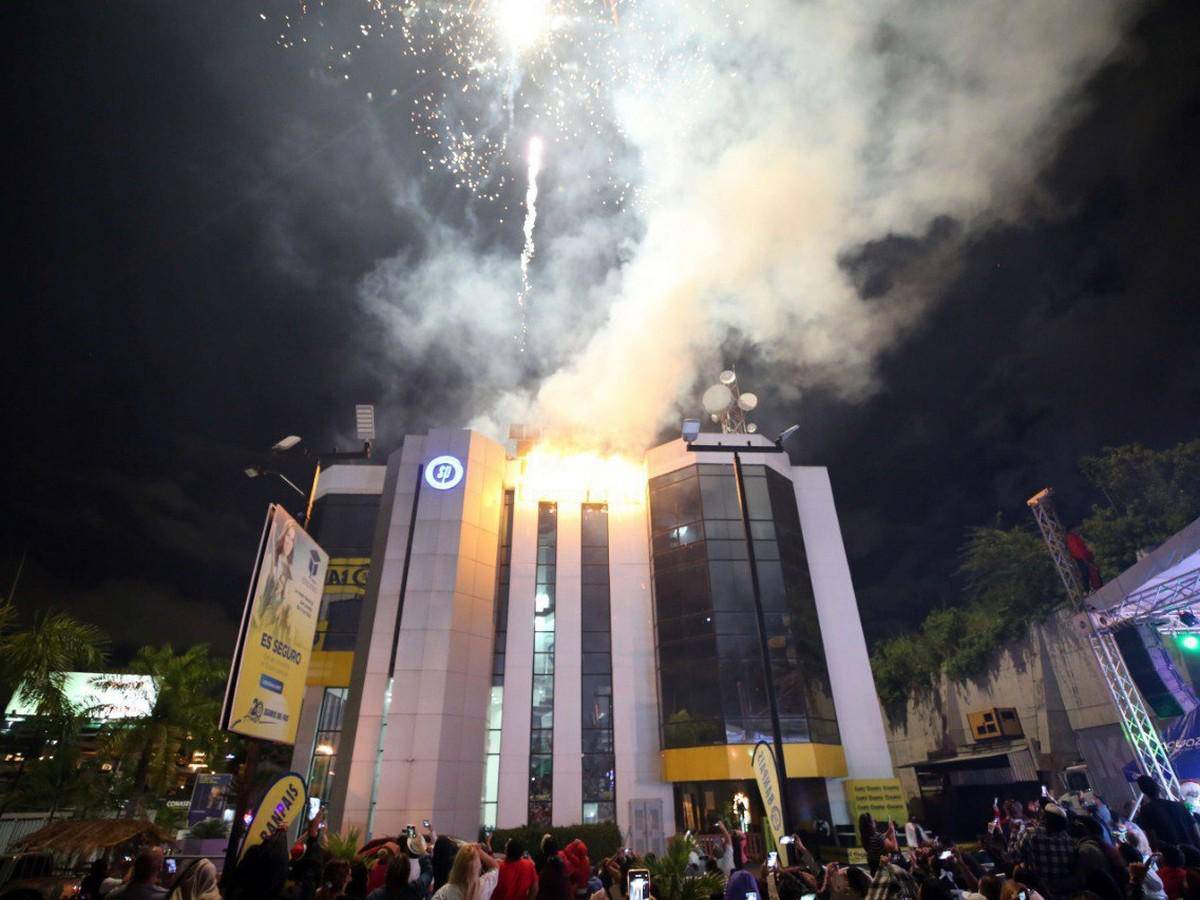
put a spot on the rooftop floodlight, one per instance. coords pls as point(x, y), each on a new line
point(364, 421)
point(252, 471)
point(285, 444)
point(691, 430)
point(786, 434)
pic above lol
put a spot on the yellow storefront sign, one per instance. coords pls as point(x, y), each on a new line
point(883, 798)
point(266, 681)
point(279, 808)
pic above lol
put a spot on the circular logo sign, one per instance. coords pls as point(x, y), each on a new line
point(443, 472)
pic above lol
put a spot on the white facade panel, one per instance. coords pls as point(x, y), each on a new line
point(860, 720)
point(567, 806)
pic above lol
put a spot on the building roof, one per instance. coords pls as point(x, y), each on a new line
point(73, 835)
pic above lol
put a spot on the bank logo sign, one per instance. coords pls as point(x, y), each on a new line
point(443, 472)
point(266, 681)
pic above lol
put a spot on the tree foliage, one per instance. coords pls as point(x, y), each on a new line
point(1149, 494)
point(34, 661)
point(1009, 581)
point(184, 718)
point(669, 874)
point(1008, 577)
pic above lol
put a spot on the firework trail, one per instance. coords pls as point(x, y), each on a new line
point(531, 193)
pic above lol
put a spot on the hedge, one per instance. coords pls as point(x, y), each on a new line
point(603, 839)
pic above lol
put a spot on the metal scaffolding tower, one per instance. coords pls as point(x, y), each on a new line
point(1140, 731)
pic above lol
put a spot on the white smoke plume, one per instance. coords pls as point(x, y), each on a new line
point(818, 127)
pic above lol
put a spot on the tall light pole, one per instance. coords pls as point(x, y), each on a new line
point(364, 415)
point(691, 431)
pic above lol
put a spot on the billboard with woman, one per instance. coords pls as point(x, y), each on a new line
point(266, 681)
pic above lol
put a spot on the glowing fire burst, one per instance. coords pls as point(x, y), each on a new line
point(548, 473)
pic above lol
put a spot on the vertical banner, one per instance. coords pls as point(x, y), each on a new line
point(266, 681)
point(280, 807)
point(766, 773)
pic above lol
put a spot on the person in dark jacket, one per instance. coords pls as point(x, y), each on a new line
point(399, 884)
point(553, 883)
point(263, 870)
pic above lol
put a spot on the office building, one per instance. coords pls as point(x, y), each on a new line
point(558, 637)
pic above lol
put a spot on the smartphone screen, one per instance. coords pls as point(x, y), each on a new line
point(410, 830)
point(314, 807)
point(172, 865)
point(946, 854)
point(638, 884)
point(424, 823)
point(773, 859)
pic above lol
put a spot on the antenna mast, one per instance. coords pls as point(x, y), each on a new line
point(727, 405)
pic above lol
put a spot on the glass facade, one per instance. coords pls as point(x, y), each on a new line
point(711, 681)
point(491, 765)
point(541, 733)
point(325, 744)
point(599, 765)
point(344, 526)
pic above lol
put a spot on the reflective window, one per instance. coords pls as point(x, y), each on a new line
point(541, 735)
point(596, 686)
point(326, 742)
point(711, 682)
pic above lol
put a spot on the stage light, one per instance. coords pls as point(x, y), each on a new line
point(1190, 642)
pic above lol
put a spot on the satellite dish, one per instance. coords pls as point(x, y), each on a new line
point(748, 401)
point(751, 428)
point(727, 377)
point(717, 399)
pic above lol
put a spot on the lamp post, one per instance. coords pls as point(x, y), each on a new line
point(285, 444)
point(691, 431)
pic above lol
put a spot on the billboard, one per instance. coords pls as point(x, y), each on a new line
point(101, 697)
point(210, 798)
point(266, 681)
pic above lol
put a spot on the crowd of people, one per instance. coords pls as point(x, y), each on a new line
point(1036, 851)
point(1043, 850)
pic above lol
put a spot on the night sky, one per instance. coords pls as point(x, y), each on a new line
point(190, 211)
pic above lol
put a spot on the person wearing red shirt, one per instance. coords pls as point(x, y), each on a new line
point(518, 875)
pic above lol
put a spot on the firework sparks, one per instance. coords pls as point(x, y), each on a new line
point(531, 193)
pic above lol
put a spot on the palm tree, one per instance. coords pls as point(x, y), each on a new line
point(34, 663)
point(669, 874)
point(184, 717)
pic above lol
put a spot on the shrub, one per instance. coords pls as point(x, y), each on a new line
point(209, 828)
point(603, 839)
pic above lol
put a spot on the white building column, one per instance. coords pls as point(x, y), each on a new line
point(860, 720)
point(635, 675)
point(568, 647)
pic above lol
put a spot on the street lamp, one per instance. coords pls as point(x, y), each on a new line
point(257, 471)
point(364, 415)
point(691, 432)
